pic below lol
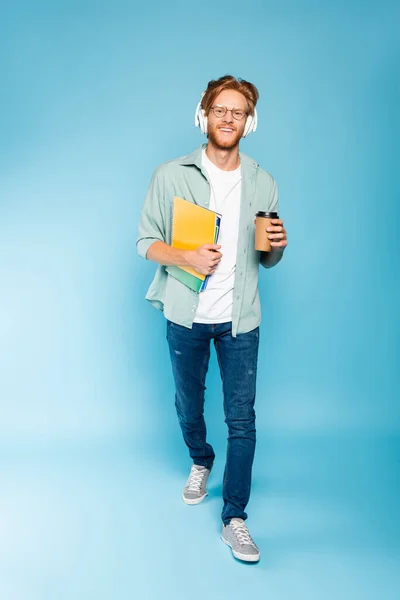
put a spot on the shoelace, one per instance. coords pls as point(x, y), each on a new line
point(195, 480)
point(242, 533)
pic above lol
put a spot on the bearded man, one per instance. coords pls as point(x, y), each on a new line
point(217, 176)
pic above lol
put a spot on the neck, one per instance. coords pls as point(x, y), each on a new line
point(227, 160)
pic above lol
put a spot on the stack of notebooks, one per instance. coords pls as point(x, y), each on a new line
point(192, 226)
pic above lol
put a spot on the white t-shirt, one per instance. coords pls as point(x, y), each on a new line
point(215, 302)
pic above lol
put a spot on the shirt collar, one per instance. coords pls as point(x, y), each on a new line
point(195, 159)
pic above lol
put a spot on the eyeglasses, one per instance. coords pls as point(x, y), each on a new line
point(220, 111)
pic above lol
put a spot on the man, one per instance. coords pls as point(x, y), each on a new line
point(219, 177)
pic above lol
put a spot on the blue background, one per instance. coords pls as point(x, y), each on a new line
point(93, 96)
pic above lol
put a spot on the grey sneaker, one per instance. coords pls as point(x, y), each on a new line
point(237, 536)
point(195, 488)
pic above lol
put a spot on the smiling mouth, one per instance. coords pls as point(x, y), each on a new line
point(226, 129)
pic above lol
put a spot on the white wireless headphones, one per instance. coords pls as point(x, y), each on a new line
point(200, 120)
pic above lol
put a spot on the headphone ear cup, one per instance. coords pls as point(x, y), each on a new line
point(205, 122)
point(200, 119)
point(255, 120)
point(197, 116)
point(251, 124)
point(247, 127)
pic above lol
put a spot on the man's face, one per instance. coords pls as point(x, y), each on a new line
point(225, 132)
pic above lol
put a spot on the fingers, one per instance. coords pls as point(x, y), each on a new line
point(207, 270)
point(276, 228)
point(273, 236)
point(281, 244)
point(211, 246)
point(213, 264)
point(277, 234)
point(211, 255)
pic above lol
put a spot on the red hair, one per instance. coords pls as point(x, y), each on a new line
point(228, 82)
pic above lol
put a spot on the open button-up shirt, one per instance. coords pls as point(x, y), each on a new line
point(185, 178)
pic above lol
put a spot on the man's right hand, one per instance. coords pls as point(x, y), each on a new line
point(205, 258)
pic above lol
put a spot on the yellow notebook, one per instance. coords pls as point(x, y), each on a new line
point(192, 226)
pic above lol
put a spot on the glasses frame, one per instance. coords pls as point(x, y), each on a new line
point(245, 114)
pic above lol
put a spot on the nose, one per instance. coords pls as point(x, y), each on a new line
point(228, 117)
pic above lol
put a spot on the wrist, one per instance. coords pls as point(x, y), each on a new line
point(187, 258)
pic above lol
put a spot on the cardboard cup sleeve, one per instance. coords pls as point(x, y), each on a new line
point(263, 220)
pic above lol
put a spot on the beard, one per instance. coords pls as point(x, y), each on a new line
point(217, 139)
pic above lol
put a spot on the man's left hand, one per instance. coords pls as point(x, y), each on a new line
point(277, 234)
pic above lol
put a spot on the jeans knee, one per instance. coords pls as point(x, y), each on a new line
point(188, 417)
point(244, 427)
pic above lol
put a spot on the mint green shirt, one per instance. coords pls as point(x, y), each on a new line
point(185, 178)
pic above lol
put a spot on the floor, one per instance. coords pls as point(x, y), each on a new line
point(106, 521)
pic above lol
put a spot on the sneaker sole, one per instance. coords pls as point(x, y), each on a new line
point(194, 500)
point(244, 557)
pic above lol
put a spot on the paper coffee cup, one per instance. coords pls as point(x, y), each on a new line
point(263, 220)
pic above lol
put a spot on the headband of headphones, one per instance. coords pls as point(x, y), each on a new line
point(201, 120)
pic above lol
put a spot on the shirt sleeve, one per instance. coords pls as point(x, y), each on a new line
point(152, 222)
point(273, 200)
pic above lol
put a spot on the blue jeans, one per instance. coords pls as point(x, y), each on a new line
point(237, 358)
